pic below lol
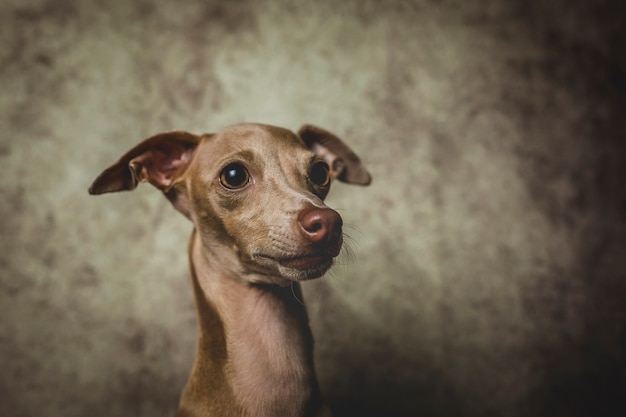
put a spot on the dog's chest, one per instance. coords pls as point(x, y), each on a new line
point(269, 362)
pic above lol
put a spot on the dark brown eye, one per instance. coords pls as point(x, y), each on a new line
point(320, 174)
point(234, 176)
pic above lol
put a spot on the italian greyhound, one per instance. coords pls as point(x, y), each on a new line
point(255, 194)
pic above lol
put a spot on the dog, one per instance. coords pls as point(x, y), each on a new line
point(255, 194)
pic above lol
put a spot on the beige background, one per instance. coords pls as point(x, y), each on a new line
point(488, 269)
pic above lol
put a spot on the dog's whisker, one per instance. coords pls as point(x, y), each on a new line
point(353, 228)
point(293, 292)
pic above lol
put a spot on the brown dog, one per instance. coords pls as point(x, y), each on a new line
point(255, 195)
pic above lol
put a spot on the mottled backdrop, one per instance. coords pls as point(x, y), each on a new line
point(488, 275)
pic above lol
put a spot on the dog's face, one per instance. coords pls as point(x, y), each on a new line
point(254, 192)
point(248, 186)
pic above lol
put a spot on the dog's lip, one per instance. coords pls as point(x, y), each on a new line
point(306, 261)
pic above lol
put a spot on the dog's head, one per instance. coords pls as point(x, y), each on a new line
point(255, 192)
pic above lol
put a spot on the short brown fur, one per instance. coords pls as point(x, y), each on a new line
point(254, 240)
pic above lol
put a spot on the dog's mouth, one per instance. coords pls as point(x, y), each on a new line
point(305, 262)
point(300, 267)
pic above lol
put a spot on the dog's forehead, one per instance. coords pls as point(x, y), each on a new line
point(254, 141)
point(251, 134)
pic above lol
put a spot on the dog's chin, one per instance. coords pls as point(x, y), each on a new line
point(296, 269)
point(306, 272)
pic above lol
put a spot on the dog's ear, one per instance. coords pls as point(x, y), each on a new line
point(344, 164)
point(158, 160)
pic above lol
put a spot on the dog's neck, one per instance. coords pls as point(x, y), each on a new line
point(255, 348)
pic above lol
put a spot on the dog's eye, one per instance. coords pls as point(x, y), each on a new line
point(234, 176)
point(320, 174)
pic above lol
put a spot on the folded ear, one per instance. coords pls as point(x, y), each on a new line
point(344, 164)
point(157, 160)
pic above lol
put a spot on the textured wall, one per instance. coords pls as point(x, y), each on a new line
point(489, 267)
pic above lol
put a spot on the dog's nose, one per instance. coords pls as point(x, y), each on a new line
point(320, 225)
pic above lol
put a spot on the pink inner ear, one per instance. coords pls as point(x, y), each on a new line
point(161, 164)
point(174, 160)
point(330, 158)
point(323, 152)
